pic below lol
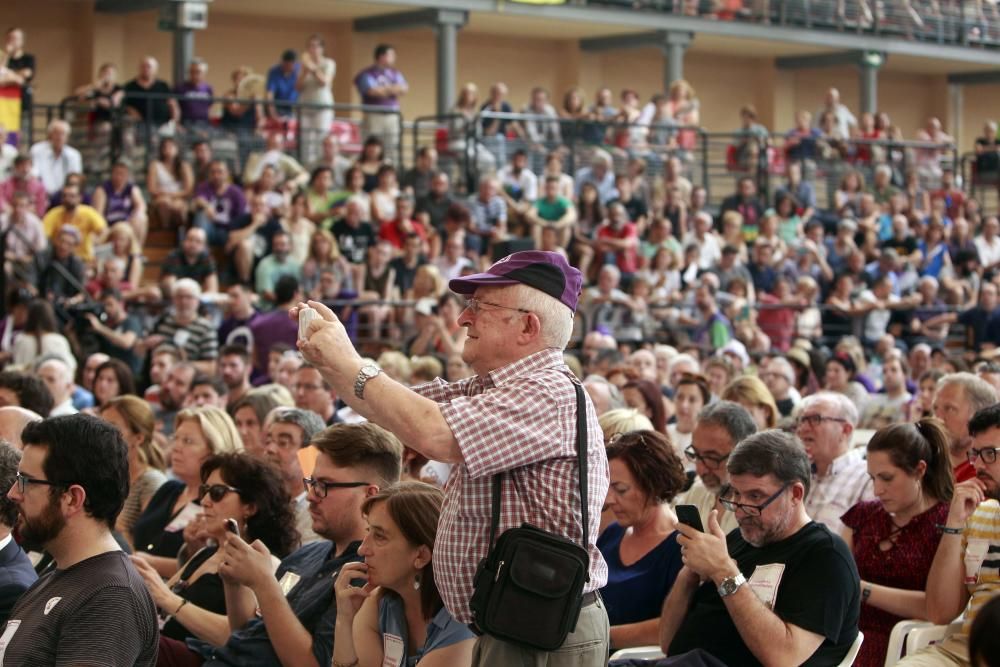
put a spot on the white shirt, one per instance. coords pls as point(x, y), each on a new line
point(7, 155)
point(877, 320)
point(709, 253)
point(526, 183)
point(846, 484)
point(64, 408)
point(51, 168)
point(989, 253)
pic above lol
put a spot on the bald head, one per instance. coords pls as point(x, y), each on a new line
point(13, 419)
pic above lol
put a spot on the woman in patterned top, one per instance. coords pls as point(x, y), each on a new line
point(894, 538)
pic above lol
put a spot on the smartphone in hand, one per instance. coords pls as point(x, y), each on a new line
point(233, 527)
point(689, 516)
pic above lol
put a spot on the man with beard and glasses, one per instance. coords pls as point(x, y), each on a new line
point(969, 550)
point(718, 429)
point(234, 369)
point(782, 589)
point(16, 571)
point(957, 398)
point(93, 608)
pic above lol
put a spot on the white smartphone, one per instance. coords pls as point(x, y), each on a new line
point(306, 315)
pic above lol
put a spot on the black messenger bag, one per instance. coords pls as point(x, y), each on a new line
point(528, 589)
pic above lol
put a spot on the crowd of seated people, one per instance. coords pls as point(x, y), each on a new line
point(814, 344)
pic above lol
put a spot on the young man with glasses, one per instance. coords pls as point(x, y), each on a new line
point(782, 589)
point(969, 550)
point(288, 617)
point(93, 608)
point(839, 472)
point(718, 429)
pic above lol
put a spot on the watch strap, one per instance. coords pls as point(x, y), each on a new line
point(366, 373)
point(730, 585)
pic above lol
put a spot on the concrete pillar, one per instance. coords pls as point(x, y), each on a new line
point(674, 46)
point(868, 66)
point(446, 26)
point(183, 53)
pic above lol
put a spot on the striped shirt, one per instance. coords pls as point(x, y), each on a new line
point(846, 484)
point(522, 419)
point(984, 525)
point(198, 339)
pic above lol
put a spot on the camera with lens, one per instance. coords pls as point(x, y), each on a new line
point(79, 311)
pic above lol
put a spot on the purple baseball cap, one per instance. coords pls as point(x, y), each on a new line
point(545, 271)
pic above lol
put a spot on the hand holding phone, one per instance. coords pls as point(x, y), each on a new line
point(689, 516)
point(232, 527)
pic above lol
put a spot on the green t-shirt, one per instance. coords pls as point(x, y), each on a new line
point(552, 211)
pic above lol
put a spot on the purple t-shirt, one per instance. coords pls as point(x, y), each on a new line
point(268, 329)
point(195, 102)
point(225, 207)
point(376, 77)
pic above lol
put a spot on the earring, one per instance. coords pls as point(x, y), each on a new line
point(416, 582)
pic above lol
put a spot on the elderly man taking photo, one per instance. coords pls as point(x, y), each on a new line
point(516, 416)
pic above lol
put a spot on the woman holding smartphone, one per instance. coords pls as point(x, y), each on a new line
point(239, 494)
point(389, 611)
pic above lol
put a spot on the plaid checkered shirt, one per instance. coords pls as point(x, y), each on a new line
point(521, 419)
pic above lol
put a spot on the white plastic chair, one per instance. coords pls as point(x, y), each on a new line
point(853, 653)
point(915, 635)
point(638, 653)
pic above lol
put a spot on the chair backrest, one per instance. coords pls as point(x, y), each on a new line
point(853, 653)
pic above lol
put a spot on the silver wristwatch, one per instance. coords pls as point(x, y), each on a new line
point(731, 585)
point(364, 375)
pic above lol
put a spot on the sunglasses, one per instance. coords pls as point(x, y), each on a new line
point(216, 491)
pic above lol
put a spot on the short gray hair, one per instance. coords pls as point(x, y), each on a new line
point(555, 317)
point(307, 420)
point(771, 452)
point(782, 366)
point(978, 392)
point(729, 416)
point(845, 406)
point(10, 458)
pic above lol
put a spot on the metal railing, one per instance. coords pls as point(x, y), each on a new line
point(128, 136)
point(963, 22)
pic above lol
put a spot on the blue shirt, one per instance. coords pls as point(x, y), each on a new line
point(442, 631)
point(282, 86)
point(636, 592)
point(311, 599)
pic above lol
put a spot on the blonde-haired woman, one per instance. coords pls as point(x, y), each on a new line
point(752, 394)
point(134, 418)
point(623, 420)
point(125, 245)
point(159, 531)
point(325, 255)
point(683, 107)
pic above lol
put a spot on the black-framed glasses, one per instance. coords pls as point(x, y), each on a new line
point(321, 488)
point(475, 305)
point(816, 420)
point(23, 481)
point(751, 510)
point(216, 491)
point(987, 454)
point(709, 460)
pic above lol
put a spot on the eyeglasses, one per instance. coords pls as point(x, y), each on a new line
point(216, 491)
point(816, 420)
point(475, 305)
point(750, 510)
point(710, 460)
point(987, 454)
point(321, 488)
point(22, 482)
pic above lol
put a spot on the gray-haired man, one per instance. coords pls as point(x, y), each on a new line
point(288, 431)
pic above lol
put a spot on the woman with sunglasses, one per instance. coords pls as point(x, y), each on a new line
point(895, 537)
point(396, 615)
point(640, 546)
point(235, 487)
point(158, 532)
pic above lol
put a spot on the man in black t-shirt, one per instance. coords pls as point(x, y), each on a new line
point(144, 96)
point(117, 332)
point(93, 608)
point(354, 235)
point(779, 589)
